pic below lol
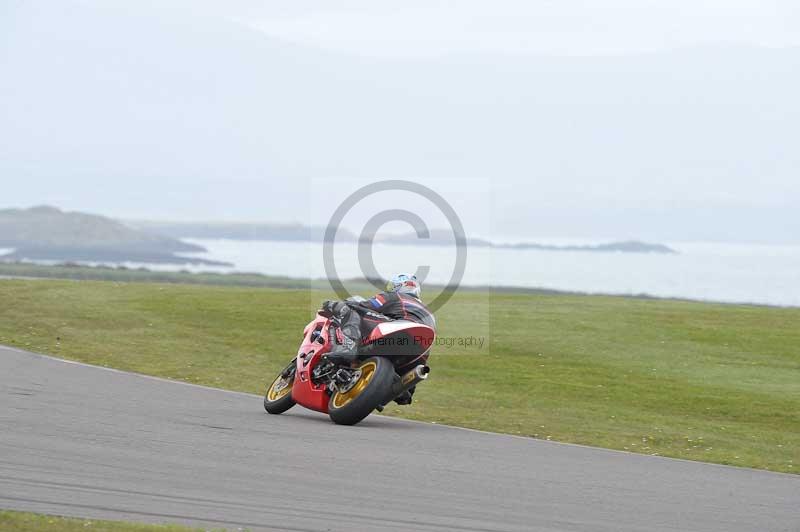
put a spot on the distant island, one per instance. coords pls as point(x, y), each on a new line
point(49, 234)
point(445, 238)
point(239, 231)
point(305, 233)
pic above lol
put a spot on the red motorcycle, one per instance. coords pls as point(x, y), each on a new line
point(391, 360)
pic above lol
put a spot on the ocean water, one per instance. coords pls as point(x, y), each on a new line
point(732, 273)
point(736, 273)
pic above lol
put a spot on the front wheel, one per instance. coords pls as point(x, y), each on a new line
point(375, 378)
point(278, 398)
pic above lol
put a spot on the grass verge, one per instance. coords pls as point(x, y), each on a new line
point(718, 383)
point(26, 522)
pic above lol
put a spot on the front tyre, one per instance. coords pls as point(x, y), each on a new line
point(366, 394)
point(278, 398)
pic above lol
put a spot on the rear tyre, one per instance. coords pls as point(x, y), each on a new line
point(278, 398)
point(369, 392)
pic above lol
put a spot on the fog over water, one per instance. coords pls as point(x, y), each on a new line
point(661, 121)
point(736, 273)
point(666, 122)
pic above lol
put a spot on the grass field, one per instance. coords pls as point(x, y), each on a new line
point(717, 383)
point(25, 522)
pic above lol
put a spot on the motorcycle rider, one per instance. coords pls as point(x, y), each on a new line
point(358, 317)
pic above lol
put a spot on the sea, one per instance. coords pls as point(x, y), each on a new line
point(720, 272)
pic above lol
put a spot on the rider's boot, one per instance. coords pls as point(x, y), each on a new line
point(348, 334)
point(344, 353)
point(406, 397)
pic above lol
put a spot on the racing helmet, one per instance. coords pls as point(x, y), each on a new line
point(403, 283)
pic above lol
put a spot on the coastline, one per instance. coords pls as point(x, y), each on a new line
point(72, 271)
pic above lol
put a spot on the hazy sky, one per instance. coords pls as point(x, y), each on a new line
point(585, 27)
point(621, 119)
point(582, 27)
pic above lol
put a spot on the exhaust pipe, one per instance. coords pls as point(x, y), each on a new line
point(404, 382)
point(409, 379)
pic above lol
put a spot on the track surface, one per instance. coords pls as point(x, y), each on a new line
point(85, 441)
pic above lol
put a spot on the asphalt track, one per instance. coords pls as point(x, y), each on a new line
point(85, 441)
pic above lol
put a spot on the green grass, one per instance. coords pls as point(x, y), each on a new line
point(718, 383)
point(124, 274)
point(25, 522)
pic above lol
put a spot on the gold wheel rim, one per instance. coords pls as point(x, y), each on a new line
point(276, 391)
point(367, 372)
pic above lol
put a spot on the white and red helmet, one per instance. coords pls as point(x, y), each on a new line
point(404, 284)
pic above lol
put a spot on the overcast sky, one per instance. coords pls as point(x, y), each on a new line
point(580, 27)
point(658, 120)
point(583, 27)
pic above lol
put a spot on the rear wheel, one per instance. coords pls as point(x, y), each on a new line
point(360, 398)
point(278, 398)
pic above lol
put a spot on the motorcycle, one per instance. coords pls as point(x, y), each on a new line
point(391, 360)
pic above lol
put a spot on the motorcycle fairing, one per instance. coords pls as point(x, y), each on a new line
point(418, 339)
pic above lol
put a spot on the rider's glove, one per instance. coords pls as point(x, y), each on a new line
point(327, 309)
point(332, 308)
